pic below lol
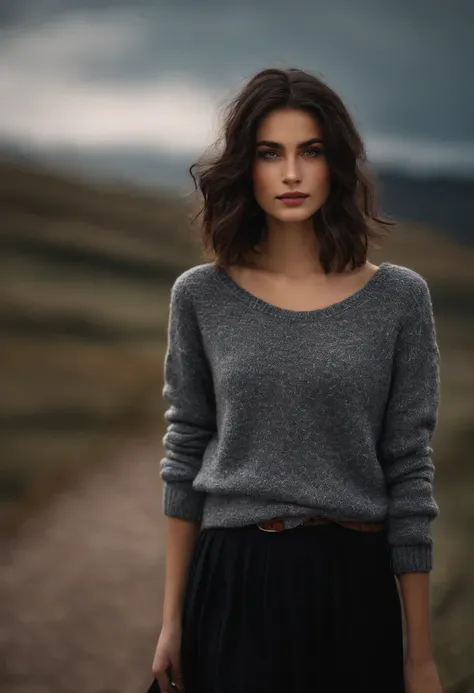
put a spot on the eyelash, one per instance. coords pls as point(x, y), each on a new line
point(262, 154)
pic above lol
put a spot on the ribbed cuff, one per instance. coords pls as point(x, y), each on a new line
point(182, 501)
point(412, 559)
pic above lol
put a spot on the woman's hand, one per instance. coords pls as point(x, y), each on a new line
point(167, 659)
point(422, 677)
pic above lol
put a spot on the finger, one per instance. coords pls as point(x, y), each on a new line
point(177, 676)
point(163, 683)
point(178, 682)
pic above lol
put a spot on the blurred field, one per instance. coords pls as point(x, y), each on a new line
point(85, 276)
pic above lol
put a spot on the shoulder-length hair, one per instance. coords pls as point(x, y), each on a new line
point(233, 222)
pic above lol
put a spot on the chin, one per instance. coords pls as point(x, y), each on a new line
point(293, 214)
point(303, 211)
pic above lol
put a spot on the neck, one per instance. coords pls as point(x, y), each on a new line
point(289, 249)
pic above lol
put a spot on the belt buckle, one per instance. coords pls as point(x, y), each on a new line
point(272, 526)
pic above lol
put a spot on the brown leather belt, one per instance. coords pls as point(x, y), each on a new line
point(278, 524)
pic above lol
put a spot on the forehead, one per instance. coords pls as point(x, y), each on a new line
point(288, 126)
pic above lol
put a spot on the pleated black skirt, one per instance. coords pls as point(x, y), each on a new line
point(309, 609)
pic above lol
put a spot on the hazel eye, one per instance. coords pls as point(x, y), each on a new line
point(266, 154)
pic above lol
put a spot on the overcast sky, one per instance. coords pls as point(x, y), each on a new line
point(97, 73)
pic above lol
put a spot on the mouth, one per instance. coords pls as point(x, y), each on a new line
point(296, 196)
point(293, 200)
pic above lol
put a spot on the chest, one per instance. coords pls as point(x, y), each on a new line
point(258, 355)
point(315, 293)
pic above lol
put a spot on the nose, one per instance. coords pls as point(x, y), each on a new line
point(290, 171)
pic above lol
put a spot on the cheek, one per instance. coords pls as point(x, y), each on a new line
point(262, 179)
point(323, 179)
point(323, 173)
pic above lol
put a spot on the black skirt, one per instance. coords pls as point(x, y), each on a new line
point(308, 609)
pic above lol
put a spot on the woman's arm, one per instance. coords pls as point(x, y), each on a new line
point(409, 423)
point(180, 541)
point(191, 422)
point(191, 415)
point(406, 455)
point(415, 591)
point(421, 675)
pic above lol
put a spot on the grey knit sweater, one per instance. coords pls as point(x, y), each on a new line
point(281, 413)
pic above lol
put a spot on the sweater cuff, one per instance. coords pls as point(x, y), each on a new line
point(417, 558)
point(182, 501)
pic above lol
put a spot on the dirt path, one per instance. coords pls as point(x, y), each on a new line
point(81, 585)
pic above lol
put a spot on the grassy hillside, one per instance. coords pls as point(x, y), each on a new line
point(85, 276)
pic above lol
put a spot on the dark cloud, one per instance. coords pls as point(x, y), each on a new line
point(403, 68)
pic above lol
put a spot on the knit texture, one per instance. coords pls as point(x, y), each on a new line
point(281, 413)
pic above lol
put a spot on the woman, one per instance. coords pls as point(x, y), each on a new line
point(303, 384)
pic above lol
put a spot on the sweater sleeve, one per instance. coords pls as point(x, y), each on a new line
point(190, 417)
point(409, 424)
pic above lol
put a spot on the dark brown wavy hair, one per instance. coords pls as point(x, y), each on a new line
point(233, 222)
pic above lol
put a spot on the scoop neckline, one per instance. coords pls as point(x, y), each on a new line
point(370, 288)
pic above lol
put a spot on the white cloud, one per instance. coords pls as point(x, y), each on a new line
point(168, 114)
point(421, 155)
point(48, 99)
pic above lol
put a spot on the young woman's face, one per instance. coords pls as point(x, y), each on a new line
point(289, 157)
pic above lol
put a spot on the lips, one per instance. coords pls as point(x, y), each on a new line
point(292, 197)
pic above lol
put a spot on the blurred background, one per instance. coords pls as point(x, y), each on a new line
point(104, 105)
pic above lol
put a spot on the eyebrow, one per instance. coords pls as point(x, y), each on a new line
point(277, 145)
